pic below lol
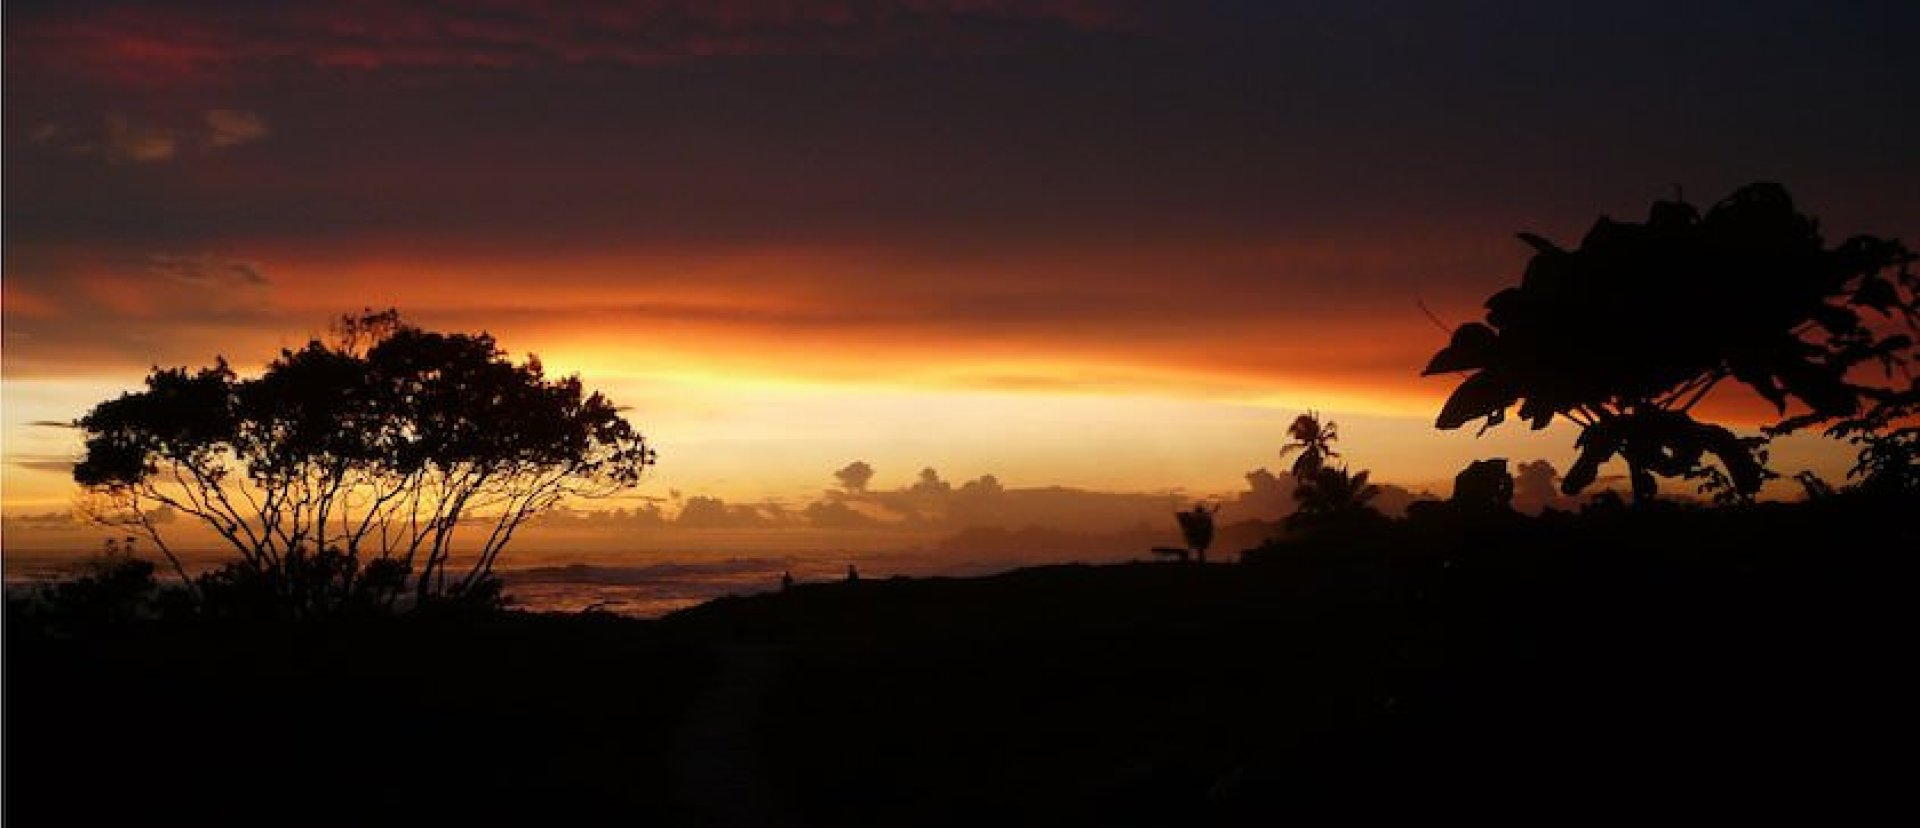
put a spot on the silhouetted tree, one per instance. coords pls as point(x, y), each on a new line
point(1196, 528)
point(1332, 495)
point(1625, 334)
point(1323, 493)
point(1483, 486)
point(105, 591)
point(1888, 462)
point(929, 484)
point(1888, 437)
point(351, 464)
point(1312, 441)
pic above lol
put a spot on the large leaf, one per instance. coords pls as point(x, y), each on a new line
point(1472, 345)
point(1597, 445)
point(1484, 394)
point(1538, 410)
point(1508, 306)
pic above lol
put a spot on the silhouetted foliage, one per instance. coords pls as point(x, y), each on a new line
point(1313, 441)
point(1888, 461)
point(1722, 488)
point(103, 592)
point(1483, 486)
point(1626, 333)
point(1324, 495)
point(505, 719)
point(1196, 528)
point(1671, 658)
point(351, 465)
point(1483, 496)
point(1333, 496)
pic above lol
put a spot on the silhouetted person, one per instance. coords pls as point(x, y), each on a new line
point(786, 581)
point(853, 575)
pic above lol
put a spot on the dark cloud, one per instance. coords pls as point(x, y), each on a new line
point(1269, 498)
point(208, 271)
point(1259, 190)
point(929, 484)
point(1536, 487)
point(231, 128)
point(933, 504)
point(618, 519)
point(855, 476)
point(836, 514)
point(102, 308)
point(117, 140)
point(164, 44)
point(703, 512)
point(53, 521)
point(1225, 121)
point(120, 139)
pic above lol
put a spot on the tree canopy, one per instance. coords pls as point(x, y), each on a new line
point(1325, 494)
point(351, 465)
point(1626, 333)
point(1312, 443)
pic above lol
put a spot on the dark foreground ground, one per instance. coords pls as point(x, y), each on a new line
point(1682, 666)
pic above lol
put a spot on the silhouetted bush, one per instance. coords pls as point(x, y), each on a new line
point(1483, 486)
point(340, 476)
point(105, 592)
point(1626, 333)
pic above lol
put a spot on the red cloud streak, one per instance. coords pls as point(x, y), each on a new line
point(159, 45)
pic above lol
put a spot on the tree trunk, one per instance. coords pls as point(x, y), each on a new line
point(1644, 486)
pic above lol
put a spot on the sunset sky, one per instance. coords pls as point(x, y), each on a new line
point(1111, 245)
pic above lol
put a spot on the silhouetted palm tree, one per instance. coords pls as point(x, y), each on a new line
point(1331, 493)
point(1313, 441)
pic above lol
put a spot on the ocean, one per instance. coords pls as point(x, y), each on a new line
point(638, 584)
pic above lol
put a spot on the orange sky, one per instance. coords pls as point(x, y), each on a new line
point(1082, 243)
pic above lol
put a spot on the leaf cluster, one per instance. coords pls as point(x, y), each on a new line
point(1624, 334)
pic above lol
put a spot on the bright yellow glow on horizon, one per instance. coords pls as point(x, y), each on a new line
point(751, 426)
point(758, 373)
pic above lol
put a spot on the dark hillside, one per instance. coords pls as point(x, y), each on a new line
point(1708, 663)
point(1713, 664)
